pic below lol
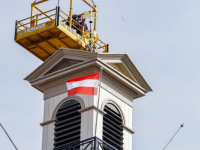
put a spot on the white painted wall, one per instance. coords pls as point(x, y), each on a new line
point(127, 140)
point(126, 110)
point(50, 104)
point(47, 138)
point(88, 118)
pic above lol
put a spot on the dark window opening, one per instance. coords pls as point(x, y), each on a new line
point(68, 124)
point(112, 127)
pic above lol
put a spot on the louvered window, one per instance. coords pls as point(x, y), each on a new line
point(68, 124)
point(112, 127)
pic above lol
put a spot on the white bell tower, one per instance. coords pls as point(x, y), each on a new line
point(69, 122)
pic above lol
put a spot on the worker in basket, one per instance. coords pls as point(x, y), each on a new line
point(80, 20)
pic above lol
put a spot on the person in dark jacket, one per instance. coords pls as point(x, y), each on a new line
point(84, 24)
point(81, 21)
point(74, 17)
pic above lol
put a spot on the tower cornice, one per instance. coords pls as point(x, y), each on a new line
point(84, 63)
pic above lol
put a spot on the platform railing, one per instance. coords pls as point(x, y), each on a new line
point(65, 18)
point(35, 20)
point(93, 143)
point(81, 29)
point(59, 15)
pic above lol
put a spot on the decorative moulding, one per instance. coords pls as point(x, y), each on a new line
point(89, 62)
point(77, 98)
point(90, 108)
point(47, 122)
point(108, 100)
point(128, 129)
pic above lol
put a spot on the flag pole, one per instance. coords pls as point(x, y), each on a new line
point(8, 136)
point(182, 125)
point(101, 69)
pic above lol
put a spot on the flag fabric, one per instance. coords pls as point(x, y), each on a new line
point(83, 85)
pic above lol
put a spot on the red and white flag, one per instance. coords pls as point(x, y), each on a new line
point(83, 85)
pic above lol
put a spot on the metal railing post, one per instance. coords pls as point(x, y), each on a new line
point(82, 30)
point(95, 20)
point(95, 143)
point(16, 26)
point(32, 10)
point(107, 47)
point(70, 13)
point(57, 15)
point(37, 17)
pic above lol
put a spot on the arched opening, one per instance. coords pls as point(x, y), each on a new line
point(112, 126)
point(68, 124)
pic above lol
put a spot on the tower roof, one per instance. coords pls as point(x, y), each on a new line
point(70, 63)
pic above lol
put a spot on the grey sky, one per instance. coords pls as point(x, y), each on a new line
point(161, 37)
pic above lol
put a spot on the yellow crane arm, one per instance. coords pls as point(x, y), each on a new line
point(36, 3)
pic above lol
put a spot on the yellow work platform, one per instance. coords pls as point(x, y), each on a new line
point(44, 36)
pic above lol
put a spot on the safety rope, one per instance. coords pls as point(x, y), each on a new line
point(58, 2)
point(94, 3)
